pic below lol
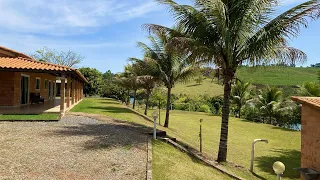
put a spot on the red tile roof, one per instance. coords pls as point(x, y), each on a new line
point(313, 101)
point(13, 53)
point(24, 62)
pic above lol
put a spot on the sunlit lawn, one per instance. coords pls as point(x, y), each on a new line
point(284, 145)
point(170, 163)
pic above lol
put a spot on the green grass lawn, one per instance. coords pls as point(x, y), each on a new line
point(277, 75)
point(170, 163)
point(29, 117)
point(284, 145)
point(193, 89)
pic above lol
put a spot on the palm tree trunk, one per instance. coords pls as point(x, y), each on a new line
point(239, 111)
point(147, 105)
point(134, 99)
point(223, 146)
point(128, 98)
point(166, 123)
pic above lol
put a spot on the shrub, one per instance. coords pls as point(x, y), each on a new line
point(204, 108)
point(251, 113)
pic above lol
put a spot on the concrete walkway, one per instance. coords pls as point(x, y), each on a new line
point(73, 148)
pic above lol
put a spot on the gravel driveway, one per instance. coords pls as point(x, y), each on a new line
point(73, 148)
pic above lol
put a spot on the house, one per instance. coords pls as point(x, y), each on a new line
point(310, 132)
point(23, 80)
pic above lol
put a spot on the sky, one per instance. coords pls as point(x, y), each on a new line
point(105, 32)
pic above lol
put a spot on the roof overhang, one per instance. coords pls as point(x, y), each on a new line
point(311, 101)
point(20, 64)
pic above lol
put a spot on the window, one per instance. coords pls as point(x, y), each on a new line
point(45, 84)
point(38, 80)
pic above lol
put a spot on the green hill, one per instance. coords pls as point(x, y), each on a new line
point(273, 76)
point(278, 76)
point(192, 88)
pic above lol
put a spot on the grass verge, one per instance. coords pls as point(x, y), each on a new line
point(170, 163)
point(29, 117)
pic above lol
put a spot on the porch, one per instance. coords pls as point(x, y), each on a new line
point(52, 106)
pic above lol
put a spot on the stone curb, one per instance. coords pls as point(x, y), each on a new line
point(207, 162)
point(149, 160)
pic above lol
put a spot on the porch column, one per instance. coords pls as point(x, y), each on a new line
point(81, 94)
point(62, 94)
point(82, 90)
point(73, 91)
point(54, 90)
point(68, 91)
point(77, 93)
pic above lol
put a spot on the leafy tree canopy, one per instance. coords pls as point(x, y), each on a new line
point(64, 58)
point(95, 80)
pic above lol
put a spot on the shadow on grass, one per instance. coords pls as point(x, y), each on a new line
point(273, 127)
point(106, 136)
point(291, 159)
point(110, 109)
point(193, 85)
point(284, 129)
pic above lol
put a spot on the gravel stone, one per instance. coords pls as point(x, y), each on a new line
point(74, 148)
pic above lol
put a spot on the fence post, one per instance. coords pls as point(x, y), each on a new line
point(159, 112)
point(200, 135)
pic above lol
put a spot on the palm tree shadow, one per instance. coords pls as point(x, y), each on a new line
point(193, 85)
point(291, 159)
point(111, 109)
point(106, 135)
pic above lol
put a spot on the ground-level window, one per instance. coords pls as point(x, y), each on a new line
point(38, 80)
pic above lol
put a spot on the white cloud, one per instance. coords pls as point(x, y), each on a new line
point(290, 2)
point(29, 43)
point(65, 17)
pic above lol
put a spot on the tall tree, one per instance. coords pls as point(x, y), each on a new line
point(167, 64)
point(95, 80)
point(64, 58)
point(229, 33)
point(240, 94)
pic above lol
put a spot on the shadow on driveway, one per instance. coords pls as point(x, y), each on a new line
point(106, 135)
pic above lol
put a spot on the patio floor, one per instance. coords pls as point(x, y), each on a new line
point(52, 106)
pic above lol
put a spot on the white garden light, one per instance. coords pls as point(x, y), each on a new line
point(278, 168)
point(155, 116)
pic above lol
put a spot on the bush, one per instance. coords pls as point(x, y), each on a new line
point(204, 108)
point(251, 113)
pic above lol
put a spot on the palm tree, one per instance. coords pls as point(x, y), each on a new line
point(268, 101)
point(128, 80)
point(310, 89)
point(167, 64)
point(147, 83)
point(144, 80)
point(240, 94)
point(229, 33)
